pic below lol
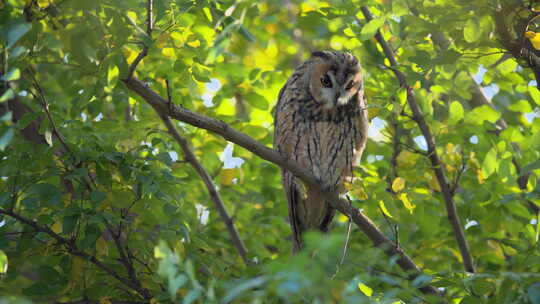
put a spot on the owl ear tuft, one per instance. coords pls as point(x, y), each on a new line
point(320, 54)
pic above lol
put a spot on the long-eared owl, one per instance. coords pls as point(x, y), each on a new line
point(320, 121)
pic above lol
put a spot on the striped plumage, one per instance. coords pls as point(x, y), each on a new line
point(320, 121)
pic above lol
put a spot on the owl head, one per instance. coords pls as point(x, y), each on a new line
point(335, 79)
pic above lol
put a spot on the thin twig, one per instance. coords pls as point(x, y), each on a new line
point(149, 28)
point(345, 246)
point(190, 157)
point(74, 250)
point(124, 258)
point(227, 132)
point(432, 152)
point(45, 106)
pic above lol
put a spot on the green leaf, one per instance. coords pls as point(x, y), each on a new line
point(8, 94)
point(7, 117)
point(16, 52)
point(531, 167)
point(422, 280)
point(482, 287)
point(370, 29)
point(48, 194)
point(472, 31)
point(27, 119)
point(480, 114)
point(192, 296)
point(535, 94)
point(533, 293)
point(522, 106)
point(175, 283)
point(257, 101)
point(6, 138)
point(456, 113)
point(490, 164)
point(16, 32)
point(97, 196)
point(69, 223)
point(12, 75)
point(112, 75)
point(3, 262)
point(243, 287)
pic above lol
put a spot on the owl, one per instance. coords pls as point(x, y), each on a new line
point(320, 121)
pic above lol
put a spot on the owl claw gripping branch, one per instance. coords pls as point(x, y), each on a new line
point(320, 122)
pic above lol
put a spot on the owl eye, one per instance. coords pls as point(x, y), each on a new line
point(350, 85)
point(325, 81)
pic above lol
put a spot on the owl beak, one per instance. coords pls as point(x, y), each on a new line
point(342, 100)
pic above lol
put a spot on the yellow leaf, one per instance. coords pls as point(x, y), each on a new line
point(102, 247)
point(57, 227)
point(194, 44)
point(227, 176)
point(398, 184)
point(534, 38)
point(480, 176)
point(168, 52)
point(105, 300)
point(406, 159)
point(112, 75)
point(373, 112)
point(406, 202)
point(43, 3)
point(129, 54)
point(365, 289)
point(343, 218)
point(434, 183)
point(132, 15)
point(359, 192)
point(383, 208)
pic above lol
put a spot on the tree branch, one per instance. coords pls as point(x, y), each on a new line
point(432, 152)
point(74, 250)
point(478, 97)
point(149, 28)
point(221, 128)
point(190, 157)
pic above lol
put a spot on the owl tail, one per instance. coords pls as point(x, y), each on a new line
point(307, 212)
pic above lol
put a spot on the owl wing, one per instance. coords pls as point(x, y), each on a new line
point(285, 137)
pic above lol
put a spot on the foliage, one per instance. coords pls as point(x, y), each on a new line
point(120, 191)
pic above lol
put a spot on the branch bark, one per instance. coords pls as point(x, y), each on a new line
point(432, 152)
point(207, 179)
point(221, 128)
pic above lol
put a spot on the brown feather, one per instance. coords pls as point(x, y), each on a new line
point(326, 139)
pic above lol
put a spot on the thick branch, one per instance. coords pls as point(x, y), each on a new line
point(74, 250)
point(221, 128)
point(432, 152)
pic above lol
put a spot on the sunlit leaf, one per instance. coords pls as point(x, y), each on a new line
point(12, 75)
point(3, 262)
point(370, 28)
point(398, 184)
point(406, 202)
point(383, 208)
point(365, 289)
point(471, 31)
point(456, 113)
